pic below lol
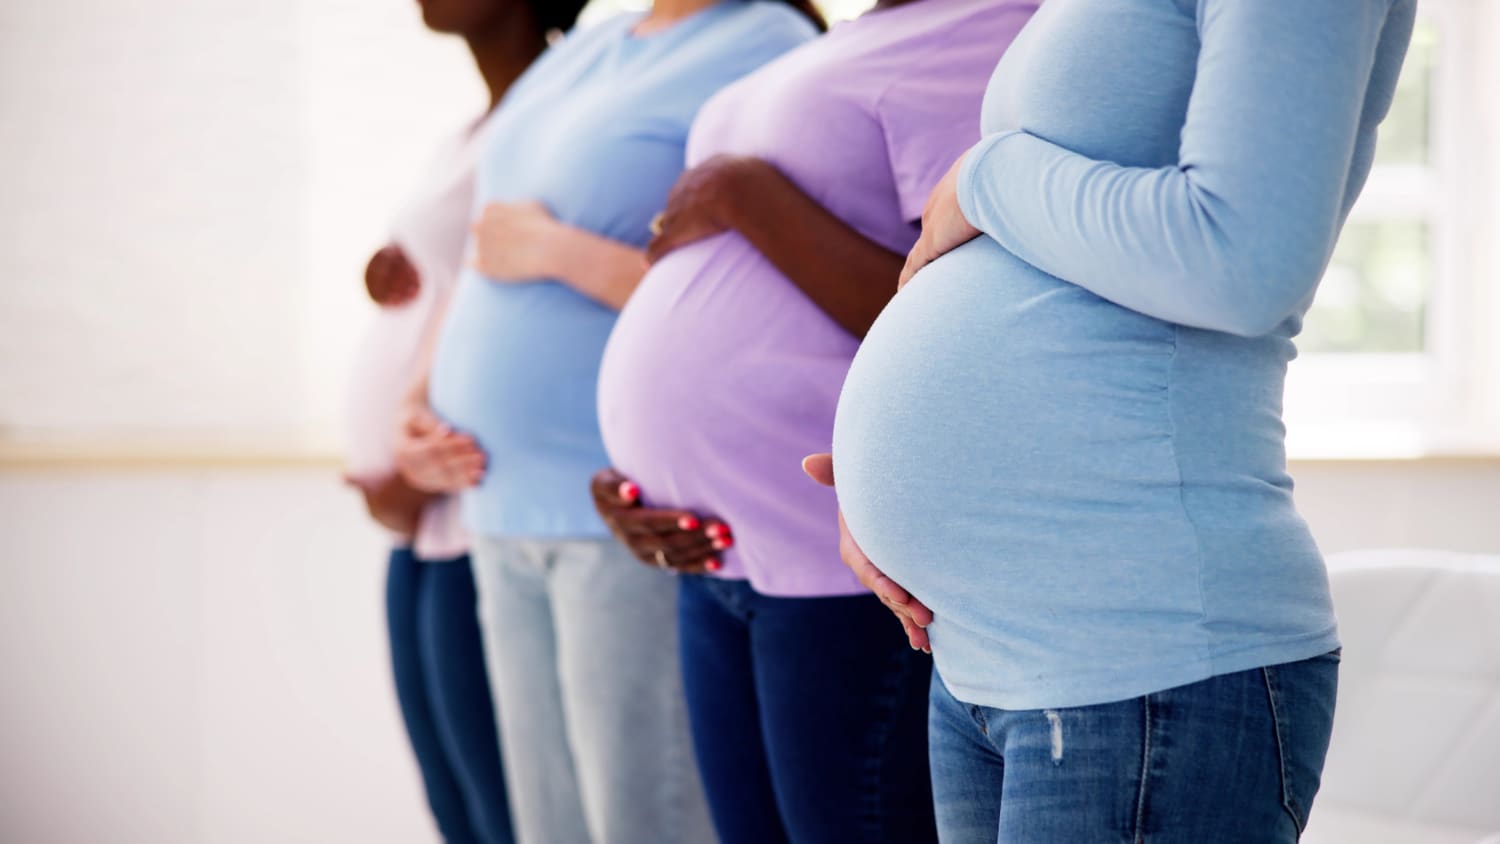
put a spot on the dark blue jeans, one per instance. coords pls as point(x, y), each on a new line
point(445, 696)
point(808, 716)
point(1235, 758)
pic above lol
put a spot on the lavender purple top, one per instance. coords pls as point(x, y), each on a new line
point(720, 374)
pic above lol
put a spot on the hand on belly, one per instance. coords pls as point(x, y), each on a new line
point(432, 457)
point(913, 614)
point(944, 227)
point(675, 540)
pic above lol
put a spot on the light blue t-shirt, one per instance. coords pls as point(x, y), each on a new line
point(1065, 436)
point(595, 130)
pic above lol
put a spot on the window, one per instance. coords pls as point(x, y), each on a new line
point(1391, 361)
point(1373, 299)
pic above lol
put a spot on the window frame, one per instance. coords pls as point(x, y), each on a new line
point(1439, 401)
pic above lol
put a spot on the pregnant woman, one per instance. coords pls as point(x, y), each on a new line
point(580, 643)
point(777, 250)
point(1064, 437)
point(436, 653)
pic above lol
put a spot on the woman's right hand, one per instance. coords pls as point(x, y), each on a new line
point(677, 540)
point(434, 458)
point(698, 204)
point(390, 278)
point(913, 614)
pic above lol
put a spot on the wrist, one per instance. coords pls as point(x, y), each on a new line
point(734, 183)
point(566, 253)
point(554, 248)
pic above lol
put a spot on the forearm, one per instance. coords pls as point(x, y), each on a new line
point(1153, 240)
point(604, 270)
point(847, 275)
point(1233, 236)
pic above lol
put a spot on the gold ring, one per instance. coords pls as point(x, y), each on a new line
point(655, 225)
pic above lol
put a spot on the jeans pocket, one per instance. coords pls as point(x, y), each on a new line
point(1302, 696)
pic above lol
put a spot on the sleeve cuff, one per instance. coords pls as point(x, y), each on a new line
point(970, 170)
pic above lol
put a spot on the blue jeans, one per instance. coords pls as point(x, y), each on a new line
point(1234, 758)
point(445, 698)
point(808, 716)
point(582, 653)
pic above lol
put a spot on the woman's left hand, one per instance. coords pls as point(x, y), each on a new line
point(944, 227)
point(516, 241)
point(912, 613)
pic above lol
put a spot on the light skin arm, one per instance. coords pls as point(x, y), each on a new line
point(847, 275)
point(520, 242)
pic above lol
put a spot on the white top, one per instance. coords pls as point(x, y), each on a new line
point(432, 228)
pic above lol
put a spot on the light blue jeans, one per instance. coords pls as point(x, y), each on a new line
point(581, 644)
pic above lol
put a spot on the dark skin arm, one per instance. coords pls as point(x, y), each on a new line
point(678, 540)
point(847, 275)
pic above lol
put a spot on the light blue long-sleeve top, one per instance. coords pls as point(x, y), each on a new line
point(1065, 436)
point(596, 131)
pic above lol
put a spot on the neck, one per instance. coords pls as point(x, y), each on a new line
point(664, 13)
point(503, 52)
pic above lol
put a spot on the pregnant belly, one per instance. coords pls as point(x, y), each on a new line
point(517, 367)
point(997, 421)
point(719, 373)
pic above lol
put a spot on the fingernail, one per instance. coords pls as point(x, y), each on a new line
point(717, 531)
point(721, 544)
point(713, 564)
point(687, 523)
point(629, 491)
point(927, 651)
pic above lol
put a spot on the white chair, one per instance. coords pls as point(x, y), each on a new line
point(1416, 743)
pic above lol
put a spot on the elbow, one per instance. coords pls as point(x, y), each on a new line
point(1263, 288)
point(1259, 312)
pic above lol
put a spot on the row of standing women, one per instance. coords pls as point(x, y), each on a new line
point(662, 271)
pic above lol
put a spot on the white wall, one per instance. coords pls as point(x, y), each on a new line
point(191, 188)
point(198, 655)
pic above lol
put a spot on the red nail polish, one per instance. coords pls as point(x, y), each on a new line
point(713, 564)
point(629, 491)
point(725, 541)
point(717, 531)
point(687, 523)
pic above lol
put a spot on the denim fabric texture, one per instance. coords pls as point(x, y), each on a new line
point(808, 716)
point(438, 662)
point(1234, 758)
point(581, 644)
